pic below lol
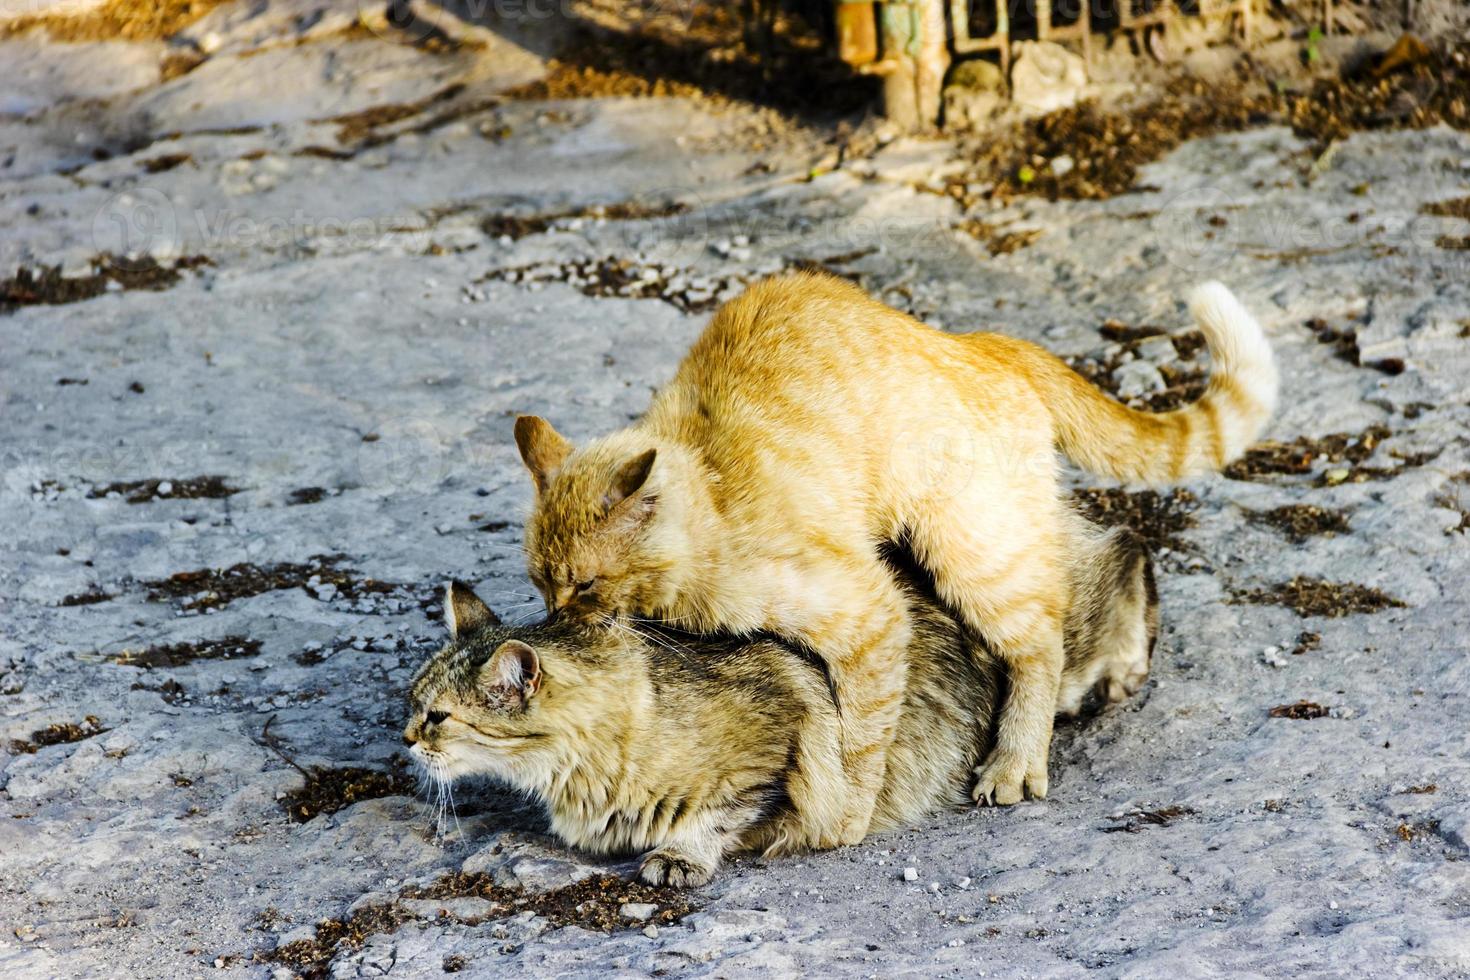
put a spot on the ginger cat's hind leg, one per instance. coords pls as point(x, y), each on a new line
point(1005, 574)
point(863, 636)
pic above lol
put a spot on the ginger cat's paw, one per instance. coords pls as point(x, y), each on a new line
point(669, 866)
point(1005, 780)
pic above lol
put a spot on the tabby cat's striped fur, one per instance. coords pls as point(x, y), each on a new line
point(690, 748)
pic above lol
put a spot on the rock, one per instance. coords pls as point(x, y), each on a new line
point(517, 860)
point(967, 107)
point(977, 75)
point(651, 931)
point(1045, 76)
point(638, 911)
point(1157, 350)
point(1063, 165)
point(731, 925)
point(1138, 378)
point(1454, 827)
point(301, 934)
point(910, 874)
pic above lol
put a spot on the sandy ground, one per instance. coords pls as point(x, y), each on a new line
point(374, 311)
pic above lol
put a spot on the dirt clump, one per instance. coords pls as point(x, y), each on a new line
point(46, 286)
point(89, 598)
point(306, 495)
point(147, 491)
point(1108, 145)
point(1305, 642)
point(1307, 596)
point(1344, 344)
point(687, 292)
point(325, 576)
point(1158, 518)
point(180, 654)
point(62, 733)
point(1302, 521)
point(592, 903)
point(1184, 379)
point(327, 790)
point(1162, 817)
point(1300, 711)
point(999, 241)
point(166, 162)
point(517, 226)
point(1303, 456)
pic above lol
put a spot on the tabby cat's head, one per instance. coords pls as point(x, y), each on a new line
point(501, 701)
point(604, 536)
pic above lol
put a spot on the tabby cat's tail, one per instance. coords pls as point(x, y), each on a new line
point(1111, 439)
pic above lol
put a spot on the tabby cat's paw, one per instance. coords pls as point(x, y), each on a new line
point(1005, 780)
point(670, 867)
point(854, 828)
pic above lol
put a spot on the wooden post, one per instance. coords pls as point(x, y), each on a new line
point(932, 61)
point(915, 58)
point(899, 28)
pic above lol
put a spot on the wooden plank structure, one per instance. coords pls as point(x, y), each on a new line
point(1133, 15)
point(904, 41)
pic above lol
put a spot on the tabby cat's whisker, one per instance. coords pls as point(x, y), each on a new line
point(512, 593)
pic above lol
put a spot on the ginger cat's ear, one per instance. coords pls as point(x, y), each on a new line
point(465, 612)
point(543, 449)
point(512, 674)
point(629, 478)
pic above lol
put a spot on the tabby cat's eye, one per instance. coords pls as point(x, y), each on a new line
point(584, 586)
point(436, 717)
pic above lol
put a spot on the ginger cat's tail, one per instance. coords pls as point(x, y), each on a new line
point(1111, 439)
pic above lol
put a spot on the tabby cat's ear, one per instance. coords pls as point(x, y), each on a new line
point(629, 478)
point(513, 672)
point(465, 612)
point(543, 449)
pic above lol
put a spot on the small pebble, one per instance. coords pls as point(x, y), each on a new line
point(651, 931)
point(910, 874)
point(638, 911)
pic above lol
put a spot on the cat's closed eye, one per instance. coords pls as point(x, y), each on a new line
point(436, 717)
point(586, 586)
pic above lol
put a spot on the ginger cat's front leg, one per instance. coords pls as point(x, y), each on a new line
point(863, 637)
point(1016, 766)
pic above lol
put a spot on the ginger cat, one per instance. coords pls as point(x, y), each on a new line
point(690, 748)
point(809, 424)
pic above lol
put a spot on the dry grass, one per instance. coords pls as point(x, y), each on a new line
point(115, 20)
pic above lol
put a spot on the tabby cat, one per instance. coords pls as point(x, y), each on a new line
point(691, 748)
